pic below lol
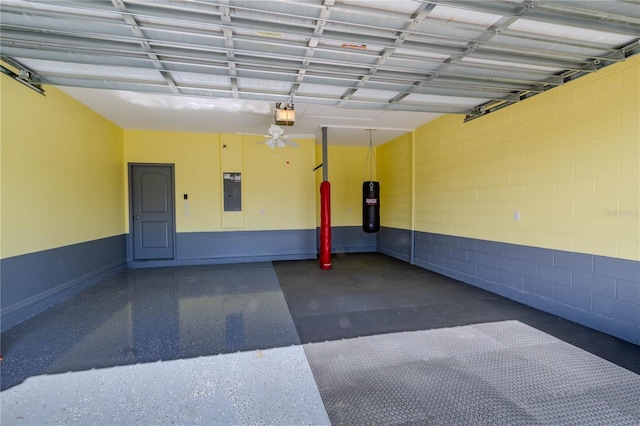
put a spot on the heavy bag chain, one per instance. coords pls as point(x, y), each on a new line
point(371, 160)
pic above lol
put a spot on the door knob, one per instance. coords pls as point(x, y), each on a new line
point(135, 217)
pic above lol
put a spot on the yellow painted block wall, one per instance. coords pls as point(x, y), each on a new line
point(231, 161)
point(567, 160)
point(346, 174)
point(62, 171)
point(277, 185)
point(395, 175)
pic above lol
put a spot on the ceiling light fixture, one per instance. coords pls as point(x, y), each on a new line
point(285, 114)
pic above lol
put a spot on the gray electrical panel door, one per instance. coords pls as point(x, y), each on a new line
point(232, 191)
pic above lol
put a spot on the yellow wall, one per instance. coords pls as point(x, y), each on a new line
point(568, 160)
point(62, 171)
point(231, 162)
point(277, 185)
point(197, 173)
point(346, 174)
point(395, 175)
point(279, 188)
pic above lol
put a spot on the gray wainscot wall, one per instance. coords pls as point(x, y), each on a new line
point(36, 281)
point(597, 291)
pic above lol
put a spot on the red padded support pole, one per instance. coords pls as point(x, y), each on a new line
point(325, 225)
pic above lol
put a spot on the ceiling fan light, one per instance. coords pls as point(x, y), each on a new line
point(285, 114)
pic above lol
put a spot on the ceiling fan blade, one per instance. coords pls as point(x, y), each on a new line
point(302, 136)
point(252, 134)
point(291, 143)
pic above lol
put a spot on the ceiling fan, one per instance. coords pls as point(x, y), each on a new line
point(277, 138)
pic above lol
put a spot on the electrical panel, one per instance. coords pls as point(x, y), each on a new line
point(232, 191)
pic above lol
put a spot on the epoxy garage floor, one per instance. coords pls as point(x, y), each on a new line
point(373, 341)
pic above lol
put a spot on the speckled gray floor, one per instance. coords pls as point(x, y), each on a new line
point(153, 315)
point(193, 345)
point(389, 343)
point(273, 386)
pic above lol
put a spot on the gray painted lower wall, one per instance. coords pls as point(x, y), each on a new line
point(198, 248)
point(395, 243)
point(597, 291)
point(33, 282)
point(350, 239)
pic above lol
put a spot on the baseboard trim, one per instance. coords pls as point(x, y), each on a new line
point(196, 261)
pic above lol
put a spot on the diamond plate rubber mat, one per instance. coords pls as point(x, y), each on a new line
point(484, 374)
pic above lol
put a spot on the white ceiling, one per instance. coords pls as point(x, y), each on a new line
point(150, 111)
point(348, 65)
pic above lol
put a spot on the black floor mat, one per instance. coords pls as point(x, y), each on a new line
point(368, 294)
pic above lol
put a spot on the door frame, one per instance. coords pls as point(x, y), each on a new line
point(130, 241)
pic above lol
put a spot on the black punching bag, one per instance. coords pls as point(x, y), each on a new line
point(371, 206)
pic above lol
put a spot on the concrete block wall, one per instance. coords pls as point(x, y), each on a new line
point(597, 291)
point(567, 162)
point(539, 201)
point(394, 169)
